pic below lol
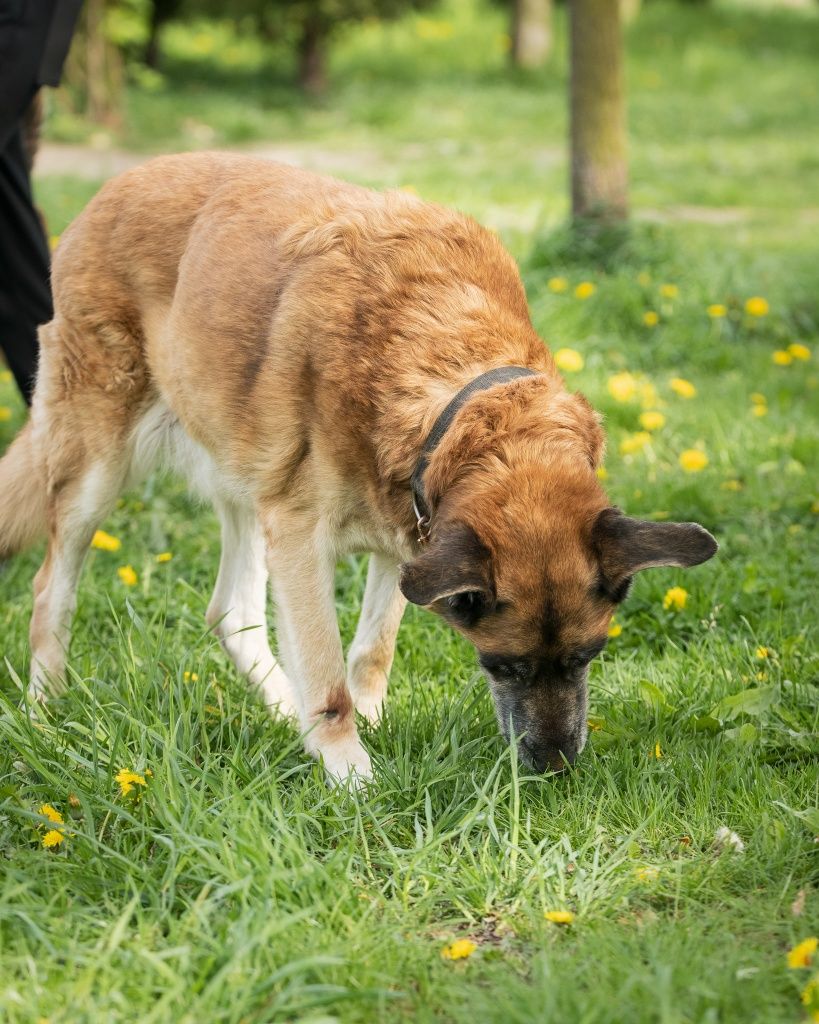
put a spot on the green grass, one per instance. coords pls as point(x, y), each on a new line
point(241, 888)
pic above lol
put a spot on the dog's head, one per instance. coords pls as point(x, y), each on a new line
point(530, 564)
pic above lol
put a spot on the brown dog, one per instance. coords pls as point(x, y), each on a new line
point(288, 342)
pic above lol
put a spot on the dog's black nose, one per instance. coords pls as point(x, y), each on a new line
point(550, 757)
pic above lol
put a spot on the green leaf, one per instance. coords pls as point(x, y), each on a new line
point(705, 723)
point(753, 701)
point(746, 733)
point(653, 696)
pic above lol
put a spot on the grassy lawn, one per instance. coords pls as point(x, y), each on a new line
point(235, 886)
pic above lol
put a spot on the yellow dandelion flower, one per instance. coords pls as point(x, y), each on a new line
point(682, 387)
point(559, 916)
point(657, 752)
point(675, 598)
point(53, 838)
point(127, 575)
point(164, 556)
point(568, 360)
point(762, 653)
point(635, 442)
point(52, 814)
point(716, 310)
point(758, 397)
point(731, 485)
point(557, 284)
point(757, 306)
point(802, 954)
point(798, 351)
point(759, 410)
point(615, 629)
point(585, 290)
point(647, 874)
point(781, 357)
point(622, 386)
point(5, 377)
point(650, 318)
point(5, 414)
point(105, 542)
point(128, 780)
point(602, 473)
point(810, 996)
point(190, 677)
point(692, 460)
point(652, 420)
point(460, 949)
point(53, 242)
point(669, 291)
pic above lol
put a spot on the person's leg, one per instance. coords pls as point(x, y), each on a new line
point(25, 292)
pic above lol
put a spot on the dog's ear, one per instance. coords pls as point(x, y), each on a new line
point(455, 569)
point(625, 546)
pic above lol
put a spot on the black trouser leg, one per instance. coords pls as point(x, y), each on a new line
point(25, 291)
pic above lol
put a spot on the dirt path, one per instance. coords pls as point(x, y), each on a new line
point(99, 164)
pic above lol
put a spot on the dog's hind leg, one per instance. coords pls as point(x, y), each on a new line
point(237, 609)
point(371, 653)
point(75, 509)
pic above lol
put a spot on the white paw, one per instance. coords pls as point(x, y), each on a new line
point(36, 694)
point(347, 761)
point(41, 686)
point(276, 691)
point(371, 707)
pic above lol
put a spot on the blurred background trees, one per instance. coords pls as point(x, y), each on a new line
point(598, 112)
point(531, 32)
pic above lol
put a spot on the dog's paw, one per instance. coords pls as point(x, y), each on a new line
point(277, 692)
point(349, 762)
point(370, 707)
point(43, 685)
point(368, 687)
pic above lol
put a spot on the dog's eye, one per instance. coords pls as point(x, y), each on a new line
point(579, 660)
point(508, 670)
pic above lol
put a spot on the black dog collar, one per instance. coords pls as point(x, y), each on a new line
point(500, 375)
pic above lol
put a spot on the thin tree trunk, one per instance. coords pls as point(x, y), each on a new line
point(312, 58)
point(531, 32)
point(598, 119)
point(162, 11)
point(95, 70)
point(629, 9)
point(151, 56)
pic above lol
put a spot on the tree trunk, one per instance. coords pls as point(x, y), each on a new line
point(151, 56)
point(629, 9)
point(312, 58)
point(598, 119)
point(162, 11)
point(531, 33)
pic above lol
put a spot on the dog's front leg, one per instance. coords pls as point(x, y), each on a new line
point(372, 650)
point(301, 563)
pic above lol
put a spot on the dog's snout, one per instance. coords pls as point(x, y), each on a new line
point(550, 756)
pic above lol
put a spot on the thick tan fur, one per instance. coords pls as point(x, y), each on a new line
point(289, 340)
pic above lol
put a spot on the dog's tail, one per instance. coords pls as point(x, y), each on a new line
point(22, 494)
